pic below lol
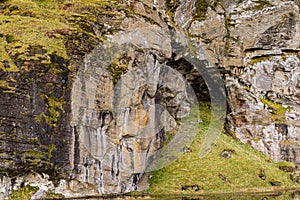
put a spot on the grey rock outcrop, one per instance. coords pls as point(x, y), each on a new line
point(257, 46)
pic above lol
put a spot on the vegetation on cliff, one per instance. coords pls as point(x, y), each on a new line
point(33, 30)
point(27, 192)
point(23, 193)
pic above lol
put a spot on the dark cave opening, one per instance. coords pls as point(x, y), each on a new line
point(193, 77)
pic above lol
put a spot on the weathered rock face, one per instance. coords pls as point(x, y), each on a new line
point(256, 45)
point(263, 79)
point(93, 131)
point(78, 113)
point(121, 134)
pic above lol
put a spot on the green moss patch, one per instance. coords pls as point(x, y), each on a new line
point(23, 193)
point(259, 59)
point(52, 195)
point(201, 9)
point(171, 6)
point(118, 68)
point(259, 5)
point(55, 107)
point(34, 157)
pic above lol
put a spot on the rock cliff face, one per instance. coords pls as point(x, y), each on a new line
point(123, 122)
point(256, 45)
point(262, 78)
point(68, 110)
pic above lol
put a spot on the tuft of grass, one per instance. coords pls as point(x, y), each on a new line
point(259, 59)
point(55, 107)
point(52, 195)
point(34, 153)
point(241, 170)
point(284, 56)
point(256, 140)
point(6, 63)
point(171, 6)
point(298, 54)
point(278, 111)
point(23, 193)
point(247, 88)
point(6, 87)
point(168, 137)
point(34, 157)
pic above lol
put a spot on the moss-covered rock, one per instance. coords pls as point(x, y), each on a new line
point(277, 109)
point(286, 166)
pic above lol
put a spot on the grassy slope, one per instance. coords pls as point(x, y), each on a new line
point(32, 23)
point(25, 23)
point(241, 169)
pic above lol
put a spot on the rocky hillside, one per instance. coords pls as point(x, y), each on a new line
point(96, 93)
